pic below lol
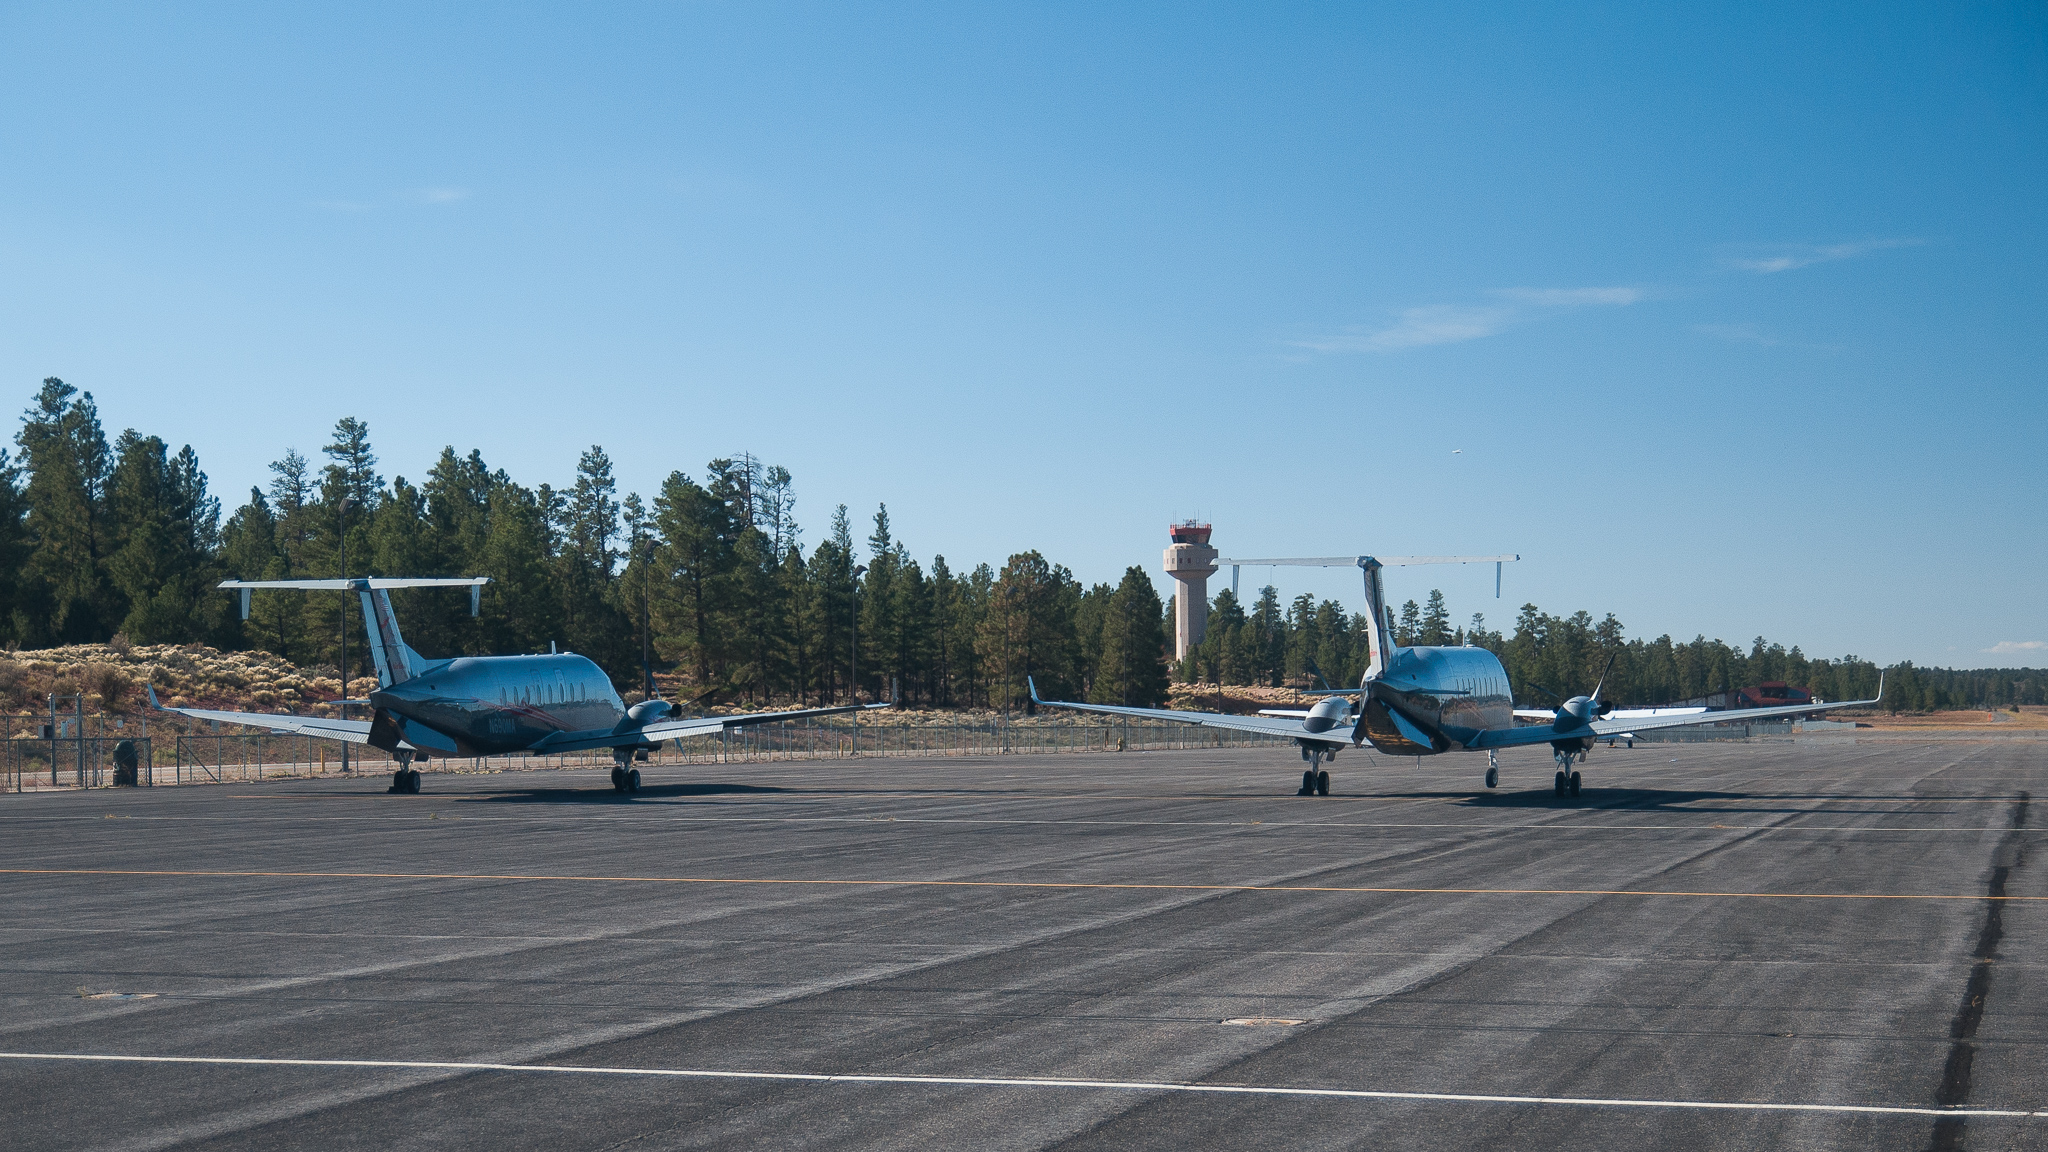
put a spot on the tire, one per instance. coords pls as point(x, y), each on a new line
point(1322, 783)
point(1573, 783)
point(1308, 783)
point(1492, 777)
point(412, 781)
point(1559, 783)
point(398, 781)
point(633, 780)
point(618, 779)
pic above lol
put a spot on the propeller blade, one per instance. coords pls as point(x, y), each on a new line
point(1602, 683)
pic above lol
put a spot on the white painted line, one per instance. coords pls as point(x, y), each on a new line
point(1010, 1082)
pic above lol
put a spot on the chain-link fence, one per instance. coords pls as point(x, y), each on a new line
point(202, 753)
point(1706, 733)
point(72, 762)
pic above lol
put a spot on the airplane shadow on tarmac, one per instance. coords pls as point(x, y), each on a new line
point(1632, 799)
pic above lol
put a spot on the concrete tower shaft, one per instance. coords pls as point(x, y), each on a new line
point(1190, 561)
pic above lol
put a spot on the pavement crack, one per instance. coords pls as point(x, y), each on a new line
point(1954, 1092)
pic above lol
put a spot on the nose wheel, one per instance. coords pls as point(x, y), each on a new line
point(1492, 768)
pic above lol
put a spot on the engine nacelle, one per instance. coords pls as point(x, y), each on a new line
point(647, 712)
point(1329, 712)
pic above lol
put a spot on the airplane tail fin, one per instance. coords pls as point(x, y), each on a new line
point(396, 663)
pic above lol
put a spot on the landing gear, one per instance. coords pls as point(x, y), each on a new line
point(625, 779)
point(405, 780)
point(1308, 783)
point(1322, 783)
point(1492, 768)
point(1566, 781)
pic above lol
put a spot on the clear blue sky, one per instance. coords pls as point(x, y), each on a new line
point(1728, 319)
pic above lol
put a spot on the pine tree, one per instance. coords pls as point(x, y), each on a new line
point(66, 595)
point(1133, 665)
point(1435, 628)
point(1028, 630)
point(165, 528)
point(14, 552)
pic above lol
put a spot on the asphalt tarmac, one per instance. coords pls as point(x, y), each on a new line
point(1715, 946)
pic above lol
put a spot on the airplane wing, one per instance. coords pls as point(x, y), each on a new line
point(1538, 734)
point(353, 731)
point(1681, 720)
point(677, 729)
point(1264, 725)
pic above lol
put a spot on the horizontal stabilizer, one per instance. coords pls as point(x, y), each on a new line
point(1357, 561)
point(359, 583)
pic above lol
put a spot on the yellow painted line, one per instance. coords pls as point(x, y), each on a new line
point(737, 880)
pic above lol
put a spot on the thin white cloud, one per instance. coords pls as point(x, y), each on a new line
point(1417, 327)
point(443, 195)
point(2018, 648)
point(1570, 297)
point(1785, 257)
point(1456, 323)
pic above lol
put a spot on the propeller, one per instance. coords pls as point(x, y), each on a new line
point(1600, 709)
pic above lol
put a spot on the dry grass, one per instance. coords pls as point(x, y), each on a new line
point(112, 676)
point(2034, 718)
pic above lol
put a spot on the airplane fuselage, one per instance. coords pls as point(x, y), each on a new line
point(487, 705)
point(1435, 699)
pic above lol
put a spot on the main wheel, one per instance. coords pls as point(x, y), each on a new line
point(618, 778)
point(1560, 783)
point(1573, 783)
point(398, 780)
point(1492, 777)
point(412, 781)
point(1322, 783)
point(1308, 783)
point(633, 780)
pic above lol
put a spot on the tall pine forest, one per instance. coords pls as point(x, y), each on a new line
point(713, 579)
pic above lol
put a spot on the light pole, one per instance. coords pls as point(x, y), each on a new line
point(341, 519)
point(853, 649)
point(853, 631)
point(646, 636)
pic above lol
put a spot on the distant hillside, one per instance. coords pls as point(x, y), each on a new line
point(112, 676)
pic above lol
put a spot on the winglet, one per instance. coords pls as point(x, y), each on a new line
point(1880, 685)
point(1032, 687)
point(151, 689)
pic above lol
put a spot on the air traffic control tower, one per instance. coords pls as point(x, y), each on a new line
point(1190, 561)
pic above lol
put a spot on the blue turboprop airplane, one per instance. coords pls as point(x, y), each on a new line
point(1422, 701)
point(484, 705)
